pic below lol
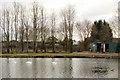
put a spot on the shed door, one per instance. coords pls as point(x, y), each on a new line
point(106, 47)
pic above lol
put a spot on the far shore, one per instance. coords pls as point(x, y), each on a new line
point(61, 55)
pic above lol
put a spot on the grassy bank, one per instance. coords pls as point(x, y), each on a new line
point(60, 55)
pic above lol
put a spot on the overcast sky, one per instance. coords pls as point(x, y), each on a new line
point(85, 9)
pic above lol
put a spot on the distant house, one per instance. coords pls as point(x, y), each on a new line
point(116, 40)
point(75, 42)
point(111, 47)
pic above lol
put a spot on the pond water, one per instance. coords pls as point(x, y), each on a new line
point(59, 68)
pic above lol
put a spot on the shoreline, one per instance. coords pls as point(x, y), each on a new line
point(61, 55)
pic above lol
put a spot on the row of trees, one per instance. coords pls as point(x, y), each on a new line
point(20, 24)
point(34, 24)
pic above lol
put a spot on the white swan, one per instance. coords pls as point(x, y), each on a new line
point(29, 62)
point(54, 62)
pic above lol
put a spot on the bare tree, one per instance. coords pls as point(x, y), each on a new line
point(80, 30)
point(5, 25)
point(44, 29)
point(27, 28)
point(114, 23)
point(114, 27)
point(16, 15)
point(8, 28)
point(16, 21)
point(69, 22)
point(53, 24)
point(119, 20)
point(35, 17)
point(11, 31)
point(65, 29)
point(84, 31)
point(22, 27)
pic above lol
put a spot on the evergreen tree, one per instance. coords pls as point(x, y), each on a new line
point(101, 32)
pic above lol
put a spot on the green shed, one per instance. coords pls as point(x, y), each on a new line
point(114, 47)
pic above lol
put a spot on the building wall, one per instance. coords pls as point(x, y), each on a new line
point(114, 47)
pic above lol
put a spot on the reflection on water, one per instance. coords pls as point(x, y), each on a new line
point(59, 68)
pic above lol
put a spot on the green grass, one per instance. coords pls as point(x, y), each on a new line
point(59, 55)
point(42, 54)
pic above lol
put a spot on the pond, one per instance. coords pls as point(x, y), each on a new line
point(59, 68)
